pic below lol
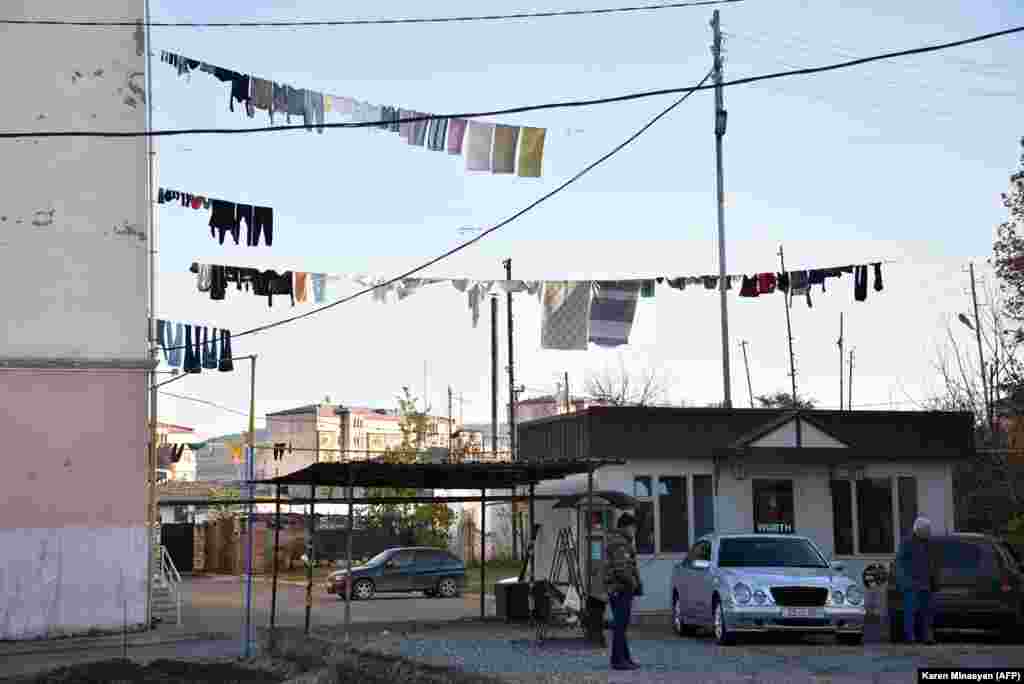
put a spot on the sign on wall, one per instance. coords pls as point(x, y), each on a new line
point(773, 507)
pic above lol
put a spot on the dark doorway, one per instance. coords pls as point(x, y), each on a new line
point(179, 540)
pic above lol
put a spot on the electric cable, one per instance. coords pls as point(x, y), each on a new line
point(463, 245)
point(365, 22)
point(806, 71)
point(203, 401)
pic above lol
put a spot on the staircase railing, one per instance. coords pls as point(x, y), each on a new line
point(172, 579)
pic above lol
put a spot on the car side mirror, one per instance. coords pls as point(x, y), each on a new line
point(838, 566)
point(701, 564)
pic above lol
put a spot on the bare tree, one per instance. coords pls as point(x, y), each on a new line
point(622, 387)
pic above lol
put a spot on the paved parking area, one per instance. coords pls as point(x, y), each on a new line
point(217, 603)
point(511, 652)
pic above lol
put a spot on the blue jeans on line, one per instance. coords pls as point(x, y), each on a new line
point(918, 612)
point(622, 608)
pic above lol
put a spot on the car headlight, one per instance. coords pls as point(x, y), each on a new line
point(854, 595)
point(741, 592)
point(760, 597)
point(837, 597)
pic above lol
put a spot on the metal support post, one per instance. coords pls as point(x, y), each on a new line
point(720, 124)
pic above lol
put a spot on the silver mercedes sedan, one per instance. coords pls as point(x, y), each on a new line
point(749, 583)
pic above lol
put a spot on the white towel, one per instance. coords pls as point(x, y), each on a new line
point(477, 148)
point(566, 314)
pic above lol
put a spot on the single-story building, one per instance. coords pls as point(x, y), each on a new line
point(853, 481)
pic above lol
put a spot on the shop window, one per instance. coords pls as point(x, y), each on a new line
point(907, 494)
point(875, 516)
point(842, 517)
point(773, 507)
point(703, 506)
point(673, 515)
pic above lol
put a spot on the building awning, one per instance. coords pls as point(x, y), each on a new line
point(437, 475)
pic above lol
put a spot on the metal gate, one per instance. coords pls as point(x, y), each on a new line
point(179, 540)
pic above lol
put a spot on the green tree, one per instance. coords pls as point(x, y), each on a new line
point(784, 400)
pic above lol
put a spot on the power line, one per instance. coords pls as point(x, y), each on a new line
point(806, 71)
point(208, 403)
point(366, 22)
point(458, 248)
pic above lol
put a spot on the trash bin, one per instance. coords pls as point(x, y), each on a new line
point(512, 600)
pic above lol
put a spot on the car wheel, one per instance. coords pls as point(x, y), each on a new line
point(896, 628)
point(447, 588)
point(723, 637)
point(850, 639)
point(678, 624)
point(363, 590)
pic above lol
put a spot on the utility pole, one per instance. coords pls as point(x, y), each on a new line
point(981, 355)
point(511, 401)
point(720, 121)
point(849, 399)
point(494, 380)
point(568, 400)
point(450, 426)
point(746, 364)
point(840, 343)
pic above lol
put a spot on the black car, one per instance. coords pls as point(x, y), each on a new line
point(981, 586)
point(435, 572)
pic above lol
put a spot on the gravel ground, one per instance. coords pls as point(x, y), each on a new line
point(510, 653)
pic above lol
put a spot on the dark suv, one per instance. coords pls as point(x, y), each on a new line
point(981, 586)
point(435, 572)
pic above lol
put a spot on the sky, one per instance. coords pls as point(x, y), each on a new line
point(899, 161)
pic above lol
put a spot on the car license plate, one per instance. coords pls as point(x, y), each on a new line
point(803, 612)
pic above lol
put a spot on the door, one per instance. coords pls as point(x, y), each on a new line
point(696, 590)
point(397, 572)
point(178, 538)
point(426, 570)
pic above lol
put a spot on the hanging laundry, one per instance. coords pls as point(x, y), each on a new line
point(218, 282)
point(171, 344)
point(319, 286)
point(877, 266)
point(647, 289)
point(269, 283)
point(783, 281)
point(435, 135)
point(506, 139)
point(710, 282)
point(296, 103)
point(226, 364)
point(263, 94)
point(328, 104)
point(511, 286)
point(313, 111)
point(456, 133)
point(477, 148)
point(223, 218)
point(531, 152)
point(766, 283)
point(404, 127)
point(749, 287)
point(242, 212)
point(209, 354)
point(262, 222)
point(280, 101)
point(612, 311)
point(418, 132)
point(565, 314)
point(476, 294)
point(301, 285)
point(535, 287)
point(240, 85)
point(192, 361)
point(860, 283)
point(204, 279)
point(677, 283)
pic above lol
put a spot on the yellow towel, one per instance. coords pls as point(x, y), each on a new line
point(328, 103)
point(531, 152)
point(301, 282)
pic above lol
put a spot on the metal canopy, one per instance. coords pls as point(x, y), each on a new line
point(436, 475)
point(602, 498)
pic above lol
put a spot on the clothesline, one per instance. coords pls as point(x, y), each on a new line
point(575, 313)
point(487, 147)
point(227, 216)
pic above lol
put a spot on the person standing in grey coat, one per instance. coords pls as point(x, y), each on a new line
point(917, 579)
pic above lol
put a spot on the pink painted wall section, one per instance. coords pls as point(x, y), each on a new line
point(74, 448)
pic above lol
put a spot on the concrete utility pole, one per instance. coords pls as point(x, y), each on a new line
point(511, 399)
point(152, 513)
point(849, 399)
point(981, 354)
point(720, 122)
point(450, 421)
point(746, 364)
point(789, 326)
point(840, 344)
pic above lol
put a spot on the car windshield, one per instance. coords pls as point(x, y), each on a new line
point(769, 553)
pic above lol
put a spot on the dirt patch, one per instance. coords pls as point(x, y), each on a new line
point(155, 672)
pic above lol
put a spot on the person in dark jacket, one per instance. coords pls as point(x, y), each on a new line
point(622, 580)
point(917, 579)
